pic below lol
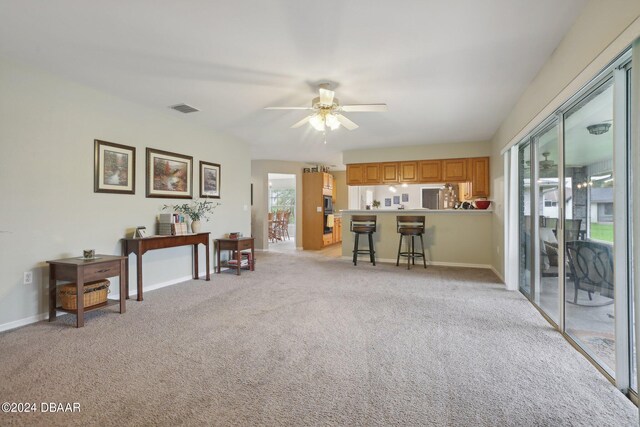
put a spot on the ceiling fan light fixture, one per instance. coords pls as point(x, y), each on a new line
point(332, 121)
point(599, 128)
point(317, 122)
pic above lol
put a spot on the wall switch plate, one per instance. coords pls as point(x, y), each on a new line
point(28, 277)
point(319, 209)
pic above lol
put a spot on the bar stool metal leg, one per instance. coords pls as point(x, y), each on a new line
point(399, 250)
point(371, 251)
point(424, 258)
point(355, 249)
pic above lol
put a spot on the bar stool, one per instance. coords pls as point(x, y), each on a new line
point(410, 226)
point(363, 224)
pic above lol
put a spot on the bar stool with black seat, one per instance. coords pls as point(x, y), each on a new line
point(363, 224)
point(411, 226)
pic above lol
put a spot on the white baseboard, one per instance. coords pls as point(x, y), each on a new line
point(364, 258)
point(133, 291)
point(498, 274)
point(24, 322)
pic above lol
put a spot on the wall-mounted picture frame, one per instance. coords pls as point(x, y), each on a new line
point(387, 201)
point(169, 175)
point(114, 167)
point(396, 200)
point(405, 197)
point(209, 180)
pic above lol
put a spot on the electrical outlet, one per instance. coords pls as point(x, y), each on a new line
point(28, 277)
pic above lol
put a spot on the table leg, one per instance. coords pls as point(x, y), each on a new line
point(196, 273)
point(123, 285)
point(125, 252)
point(239, 259)
point(52, 292)
point(139, 265)
point(253, 259)
point(217, 249)
point(80, 298)
point(206, 246)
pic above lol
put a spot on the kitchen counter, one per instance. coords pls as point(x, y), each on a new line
point(414, 211)
point(454, 237)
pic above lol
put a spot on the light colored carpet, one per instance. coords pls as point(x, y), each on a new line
point(310, 340)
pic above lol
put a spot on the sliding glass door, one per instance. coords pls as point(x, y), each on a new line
point(524, 218)
point(589, 225)
point(547, 284)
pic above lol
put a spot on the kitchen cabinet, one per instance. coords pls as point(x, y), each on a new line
point(389, 172)
point(355, 174)
point(337, 230)
point(372, 173)
point(479, 177)
point(454, 170)
point(409, 172)
point(314, 188)
point(430, 171)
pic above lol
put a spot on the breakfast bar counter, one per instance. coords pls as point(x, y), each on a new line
point(452, 237)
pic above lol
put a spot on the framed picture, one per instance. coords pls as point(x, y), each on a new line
point(405, 197)
point(396, 200)
point(114, 168)
point(209, 180)
point(387, 201)
point(169, 175)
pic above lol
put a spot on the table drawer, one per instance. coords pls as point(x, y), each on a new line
point(245, 244)
point(101, 271)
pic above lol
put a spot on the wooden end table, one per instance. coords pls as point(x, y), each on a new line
point(80, 271)
point(237, 245)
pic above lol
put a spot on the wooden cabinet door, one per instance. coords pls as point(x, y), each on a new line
point(389, 172)
point(454, 170)
point(409, 172)
point(355, 174)
point(430, 171)
point(372, 173)
point(327, 239)
point(480, 177)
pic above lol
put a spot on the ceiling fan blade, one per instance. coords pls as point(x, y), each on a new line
point(346, 122)
point(288, 108)
point(301, 122)
point(326, 96)
point(365, 107)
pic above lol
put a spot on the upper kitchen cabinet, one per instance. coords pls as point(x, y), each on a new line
point(372, 173)
point(363, 173)
point(408, 171)
point(454, 170)
point(430, 171)
point(389, 172)
point(479, 177)
point(355, 174)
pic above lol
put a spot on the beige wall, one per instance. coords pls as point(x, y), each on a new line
point(418, 152)
point(260, 170)
point(601, 32)
point(49, 209)
point(342, 191)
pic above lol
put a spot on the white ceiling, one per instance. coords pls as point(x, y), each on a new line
point(450, 71)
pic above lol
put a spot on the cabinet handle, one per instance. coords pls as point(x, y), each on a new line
point(104, 271)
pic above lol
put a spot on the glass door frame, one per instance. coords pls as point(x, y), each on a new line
point(618, 71)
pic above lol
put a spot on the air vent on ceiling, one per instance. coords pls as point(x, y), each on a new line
point(184, 108)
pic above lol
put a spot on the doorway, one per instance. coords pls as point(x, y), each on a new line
point(282, 212)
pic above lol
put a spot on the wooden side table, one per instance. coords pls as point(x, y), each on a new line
point(79, 270)
point(142, 245)
point(237, 245)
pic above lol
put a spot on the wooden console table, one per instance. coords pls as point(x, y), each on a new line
point(79, 270)
point(236, 245)
point(142, 245)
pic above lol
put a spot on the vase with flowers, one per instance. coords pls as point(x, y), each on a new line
point(197, 210)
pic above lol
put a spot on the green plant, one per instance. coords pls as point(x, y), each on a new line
point(196, 210)
point(376, 204)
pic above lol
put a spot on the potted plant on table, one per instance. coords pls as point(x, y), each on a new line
point(376, 204)
point(197, 210)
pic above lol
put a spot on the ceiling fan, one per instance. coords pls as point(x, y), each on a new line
point(327, 111)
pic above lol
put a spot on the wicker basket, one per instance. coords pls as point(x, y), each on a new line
point(94, 293)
